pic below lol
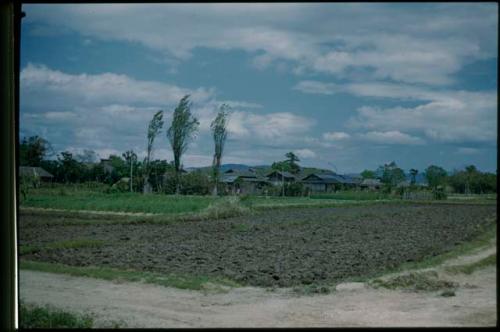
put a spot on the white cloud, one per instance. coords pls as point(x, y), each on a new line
point(264, 127)
point(305, 153)
point(442, 115)
point(390, 137)
point(419, 44)
point(336, 136)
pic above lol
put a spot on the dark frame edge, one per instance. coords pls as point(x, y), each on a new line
point(10, 13)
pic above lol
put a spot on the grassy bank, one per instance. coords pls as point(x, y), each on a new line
point(32, 316)
point(200, 283)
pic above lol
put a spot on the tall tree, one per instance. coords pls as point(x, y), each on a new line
point(131, 159)
point(292, 160)
point(33, 150)
point(435, 175)
point(154, 129)
point(367, 174)
point(413, 174)
point(219, 133)
point(183, 128)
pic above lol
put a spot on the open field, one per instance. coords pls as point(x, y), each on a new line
point(272, 248)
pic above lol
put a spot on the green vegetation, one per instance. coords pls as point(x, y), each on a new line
point(32, 316)
point(182, 282)
point(354, 195)
point(119, 202)
point(491, 260)
point(416, 281)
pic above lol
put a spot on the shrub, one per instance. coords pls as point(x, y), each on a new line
point(31, 316)
point(224, 208)
point(439, 193)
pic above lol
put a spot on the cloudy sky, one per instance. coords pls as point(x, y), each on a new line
point(344, 86)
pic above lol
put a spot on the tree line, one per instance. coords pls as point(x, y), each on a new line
point(147, 175)
point(467, 181)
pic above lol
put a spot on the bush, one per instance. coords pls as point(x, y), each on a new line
point(46, 317)
point(439, 193)
point(224, 208)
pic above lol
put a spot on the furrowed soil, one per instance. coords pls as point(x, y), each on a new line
point(282, 248)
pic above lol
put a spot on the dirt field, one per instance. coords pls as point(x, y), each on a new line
point(273, 248)
point(352, 305)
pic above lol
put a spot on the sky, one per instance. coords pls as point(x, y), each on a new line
point(345, 86)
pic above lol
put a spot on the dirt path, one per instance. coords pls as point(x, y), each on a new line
point(353, 304)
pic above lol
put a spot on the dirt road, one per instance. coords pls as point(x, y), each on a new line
point(353, 304)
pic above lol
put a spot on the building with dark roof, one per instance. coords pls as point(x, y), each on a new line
point(328, 182)
point(276, 178)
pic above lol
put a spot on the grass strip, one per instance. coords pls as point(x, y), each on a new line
point(183, 282)
point(491, 260)
point(32, 316)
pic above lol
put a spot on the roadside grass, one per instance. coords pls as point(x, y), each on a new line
point(32, 316)
point(68, 244)
point(200, 283)
point(491, 260)
point(427, 281)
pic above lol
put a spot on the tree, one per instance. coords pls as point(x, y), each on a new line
point(33, 150)
point(131, 158)
point(154, 129)
point(219, 132)
point(70, 168)
point(367, 174)
point(183, 128)
point(435, 175)
point(391, 174)
point(413, 173)
point(292, 159)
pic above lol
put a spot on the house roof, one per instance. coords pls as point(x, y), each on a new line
point(36, 171)
point(287, 175)
point(329, 178)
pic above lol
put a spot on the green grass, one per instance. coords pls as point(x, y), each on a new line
point(354, 195)
point(491, 260)
point(68, 244)
point(183, 282)
point(118, 202)
point(32, 316)
point(416, 281)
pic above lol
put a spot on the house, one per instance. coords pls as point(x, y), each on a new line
point(372, 184)
point(276, 178)
point(243, 181)
point(37, 172)
point(328, 182)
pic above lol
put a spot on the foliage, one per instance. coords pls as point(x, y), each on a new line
point(490, 260)
point(439, 193)
point(131, 159)
point(391, 175)
point(194, 183)
point(32, 316)
point(294, 189)
point(367, 174)
point(183, 128)
point(287, 165)
point(154, 128)
point(33, 150)
point(435, 175)
point(224, 208)
point(471, 180)
point(219, 133)
point(413, 174)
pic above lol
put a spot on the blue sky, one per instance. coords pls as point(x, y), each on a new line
point(344, 86)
